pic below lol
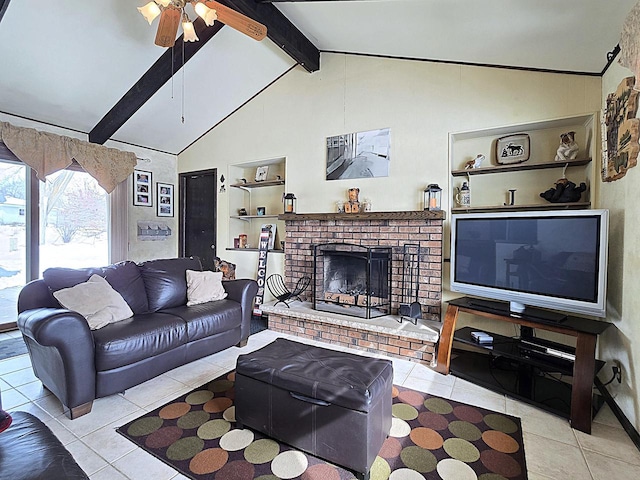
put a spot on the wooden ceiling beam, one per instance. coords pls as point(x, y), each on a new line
point(4, 4)
point(280, 31)
point(152, 80)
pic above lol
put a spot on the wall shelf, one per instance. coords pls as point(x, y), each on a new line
point(265, 183)
point(248, 218)
point(519, 167)
point(523, 208)
point(252, 250)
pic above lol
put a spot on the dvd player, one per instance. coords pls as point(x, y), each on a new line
point(553, 352)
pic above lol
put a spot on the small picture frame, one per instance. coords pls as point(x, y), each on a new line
point(261, 173)
point(271, 227)
point(261, 211)
point(512, 149)
point(164, 195)
point(142, 195)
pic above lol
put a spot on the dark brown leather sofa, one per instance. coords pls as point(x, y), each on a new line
point(79, 365)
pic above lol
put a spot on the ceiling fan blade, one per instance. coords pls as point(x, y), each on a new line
point(168, 27)
point(240, 22)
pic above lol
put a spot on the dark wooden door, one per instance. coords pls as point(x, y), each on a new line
point(198, 206)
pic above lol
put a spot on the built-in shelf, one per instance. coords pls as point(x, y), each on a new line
point(248, 197)
point(409, 215)
point(251, 217)
point(252, 250)
point(265, 183)
point(523, 208)
point(524, 181)
point(520, 167)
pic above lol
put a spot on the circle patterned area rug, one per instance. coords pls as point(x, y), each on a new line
point(430, 438)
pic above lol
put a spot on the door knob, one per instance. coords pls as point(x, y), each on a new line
point(213, 246)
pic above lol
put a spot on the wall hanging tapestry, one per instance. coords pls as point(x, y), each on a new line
point(620, 149)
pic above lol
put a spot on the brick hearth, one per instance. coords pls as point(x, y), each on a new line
point(380, 335)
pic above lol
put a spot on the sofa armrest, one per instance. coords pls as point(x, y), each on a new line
point(61, 348)
point(243, 291)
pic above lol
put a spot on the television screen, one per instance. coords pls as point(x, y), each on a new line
point(550, 259)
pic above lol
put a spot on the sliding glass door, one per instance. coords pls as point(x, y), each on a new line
point(63, 222)
point(13, 237)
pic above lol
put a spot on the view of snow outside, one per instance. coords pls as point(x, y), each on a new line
point(73, 228)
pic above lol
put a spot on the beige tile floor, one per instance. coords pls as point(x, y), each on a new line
point(553, 449)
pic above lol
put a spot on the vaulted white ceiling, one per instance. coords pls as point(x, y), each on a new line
point(68, 63)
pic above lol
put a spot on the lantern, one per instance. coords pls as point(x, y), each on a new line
point(289, 203)
point(432, 197)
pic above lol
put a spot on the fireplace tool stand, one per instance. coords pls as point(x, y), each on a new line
point(410, 308)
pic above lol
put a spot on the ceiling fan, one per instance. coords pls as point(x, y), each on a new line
point(172, 13)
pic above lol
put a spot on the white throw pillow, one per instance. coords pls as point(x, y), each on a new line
point(204, 287)
point(96, 301)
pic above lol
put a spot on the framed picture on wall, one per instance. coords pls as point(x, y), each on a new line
point(142, 196)
point(164, 194)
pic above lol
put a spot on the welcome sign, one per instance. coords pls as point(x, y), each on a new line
point(263, 249)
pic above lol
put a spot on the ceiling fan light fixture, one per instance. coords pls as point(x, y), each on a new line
point(189, 31)
point(150, 11)
point(164, 3)
point(207, 14)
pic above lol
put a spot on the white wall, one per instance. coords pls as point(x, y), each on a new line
point(421, 102)
point(621, 341)
point(164, 170)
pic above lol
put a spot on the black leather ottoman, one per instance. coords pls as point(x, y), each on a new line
point(333, 405)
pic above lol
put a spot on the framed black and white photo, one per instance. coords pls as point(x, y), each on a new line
point(359, 155)
point(142, 195)
point(164, 194)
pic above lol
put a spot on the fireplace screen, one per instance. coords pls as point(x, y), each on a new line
point(352, 279)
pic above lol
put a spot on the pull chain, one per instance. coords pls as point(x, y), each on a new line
point(172, 58)
point(183, 79)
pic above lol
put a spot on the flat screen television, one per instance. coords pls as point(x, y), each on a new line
point(551, 259)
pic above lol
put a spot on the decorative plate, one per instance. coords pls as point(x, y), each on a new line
point(512, 149)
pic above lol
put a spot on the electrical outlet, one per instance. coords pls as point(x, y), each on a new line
point(617, 371)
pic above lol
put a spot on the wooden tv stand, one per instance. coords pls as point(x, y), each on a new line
point(582, 370)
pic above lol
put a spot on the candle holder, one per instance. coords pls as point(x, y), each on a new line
point(432, 197)
point(289, 203)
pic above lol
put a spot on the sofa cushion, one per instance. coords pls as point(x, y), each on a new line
point(125, 279)
point(165, 281)
point(208, 318)
point(204, 287)
point(58, 278)
point(96, 301)
point(137, 338)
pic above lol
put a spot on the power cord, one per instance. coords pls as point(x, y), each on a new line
point(617, 375)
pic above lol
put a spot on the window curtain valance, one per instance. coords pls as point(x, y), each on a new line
point(47, 153)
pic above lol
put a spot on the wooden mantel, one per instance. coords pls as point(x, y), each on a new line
point(407, 215)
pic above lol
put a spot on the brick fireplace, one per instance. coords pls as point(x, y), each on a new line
point(371, 229)
point(377, 229)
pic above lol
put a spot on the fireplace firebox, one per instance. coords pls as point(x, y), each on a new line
point(352, 279)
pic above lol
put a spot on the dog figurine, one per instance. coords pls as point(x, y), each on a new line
point(475, 163)
point(568, 149)
point(228, 269)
